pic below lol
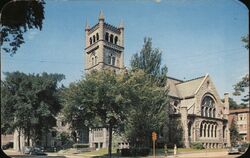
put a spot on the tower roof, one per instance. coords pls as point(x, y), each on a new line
point(121, 25)
point(87, 27)
point(101, 15)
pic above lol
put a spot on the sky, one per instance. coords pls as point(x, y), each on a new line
point(196, 37)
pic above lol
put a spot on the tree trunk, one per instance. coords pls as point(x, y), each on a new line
point(110, 141)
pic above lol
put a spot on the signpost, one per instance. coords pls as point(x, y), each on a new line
point(154, 138)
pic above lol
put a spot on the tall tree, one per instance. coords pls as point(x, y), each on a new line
point(147, 111)
point(149, 60)
point(29, 101)
point(99, 100)
point(16, 18)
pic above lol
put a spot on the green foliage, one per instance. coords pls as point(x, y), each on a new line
point(99, 100)
point(175, 135)
point(241, 87)
point(245, 40)
point(147, 111)
point(197, 145)
point(28, 101)
point(234, 134)
point(16, 18)
point(149, 60)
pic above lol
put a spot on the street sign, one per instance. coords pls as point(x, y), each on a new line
point(154, 136)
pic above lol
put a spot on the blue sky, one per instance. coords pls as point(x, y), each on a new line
point(195, 36)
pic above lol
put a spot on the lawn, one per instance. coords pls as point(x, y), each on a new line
point(159, 152)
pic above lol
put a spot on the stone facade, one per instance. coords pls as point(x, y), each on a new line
point(203, 115)
point(104, 46)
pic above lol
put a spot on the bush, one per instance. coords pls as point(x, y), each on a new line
point(80, 146)
point(197, 146)
point(134, 152)
point(125, 152)
point(140, 151)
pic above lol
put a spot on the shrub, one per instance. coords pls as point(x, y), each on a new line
point(125, 152)
point(197, 146)
point(140, 151)
point(80, 146)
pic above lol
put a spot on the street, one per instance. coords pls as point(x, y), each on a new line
point(217, 154)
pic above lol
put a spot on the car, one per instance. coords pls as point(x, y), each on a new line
point(7, 146)
point(233, 150)
point(37, 151)
point(27, 149)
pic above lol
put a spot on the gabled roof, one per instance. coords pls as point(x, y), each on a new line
point(183, 89)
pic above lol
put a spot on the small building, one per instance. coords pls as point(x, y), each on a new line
point(242, 118)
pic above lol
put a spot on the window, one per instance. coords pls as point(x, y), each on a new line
point(113, 60)
point(107, 36)
point(207, 107)
point(97, 36)
point(95, 59)
point(116, 39)
point(90, 40)
point(111, 38)
point(94, 39)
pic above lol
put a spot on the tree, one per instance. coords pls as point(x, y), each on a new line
point(16, 18)
point(245, 40)
point(234, 134)
point(99, 100)
point(149, 60)
point(147, 111)
point(29, 101)
point(242, 87)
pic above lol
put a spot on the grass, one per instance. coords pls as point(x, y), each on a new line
point(159, 152)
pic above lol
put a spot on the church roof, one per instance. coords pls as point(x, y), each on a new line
point(183, 89)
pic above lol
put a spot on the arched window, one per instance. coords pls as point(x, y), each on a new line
point(189, 128)
point(116, 39)
point(97, 36)
point(94, 39)
point(205, 129)
point(205, 111)
point(90, 40)
point(207, 106)
point(201, 129)
point(215, 131)
point(111, 38)
point(208, 130)
point(210, 112)
point(212, 130)
point(214, 113)
point(107, 36)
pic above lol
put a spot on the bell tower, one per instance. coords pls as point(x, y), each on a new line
point(104, 46)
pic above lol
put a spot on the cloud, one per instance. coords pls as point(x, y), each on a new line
point(32, 34)
point(157, 1)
